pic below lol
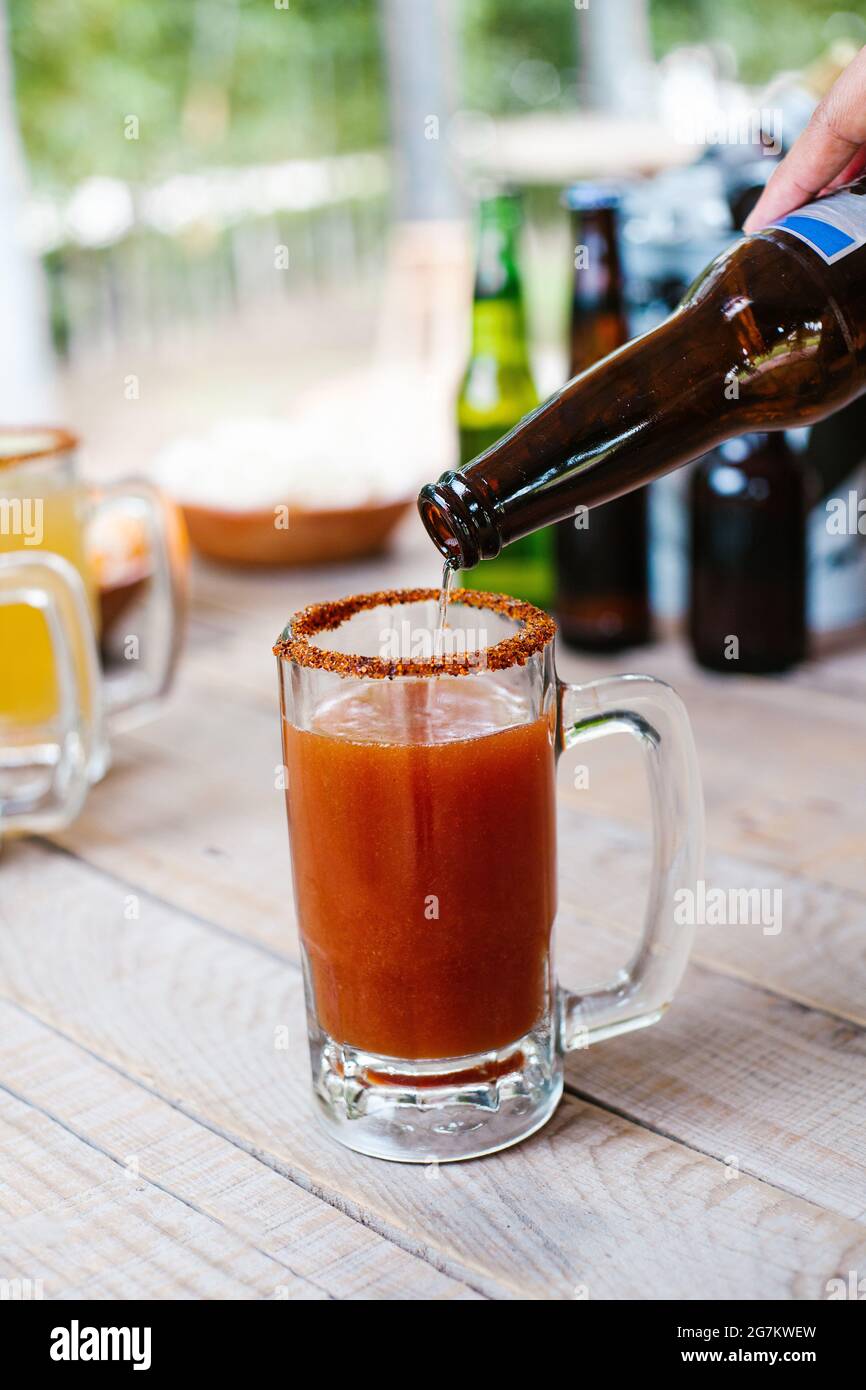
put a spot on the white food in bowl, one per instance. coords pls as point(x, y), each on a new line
point(369, 443)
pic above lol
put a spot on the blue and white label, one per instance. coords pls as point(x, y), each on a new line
point(834, 226)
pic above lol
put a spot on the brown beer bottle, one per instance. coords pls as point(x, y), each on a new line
point(771, 335)
point(602, 602)
point(749, 505)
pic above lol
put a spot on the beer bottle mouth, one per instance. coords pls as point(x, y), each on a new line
point(459, 519)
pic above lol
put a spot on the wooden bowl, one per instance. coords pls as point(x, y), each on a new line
point(311, 537)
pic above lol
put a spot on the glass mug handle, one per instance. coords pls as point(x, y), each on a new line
point(655, 715)
point(53, 587)
point(151, 670)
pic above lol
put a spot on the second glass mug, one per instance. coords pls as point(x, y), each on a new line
point(421, 807)
point(55, 703)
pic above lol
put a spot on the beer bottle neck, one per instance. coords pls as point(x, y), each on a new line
point(761, 342)
point(607, 431)
point(496, 273)
point(597, 276)
point(598, 318)
point(498, 321)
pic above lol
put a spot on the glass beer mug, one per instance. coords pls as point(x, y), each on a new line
point(422, 820)
point(55, 703)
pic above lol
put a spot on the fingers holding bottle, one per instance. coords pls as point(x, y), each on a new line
point(830, 151)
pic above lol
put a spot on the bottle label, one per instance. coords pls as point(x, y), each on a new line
point(834, 226)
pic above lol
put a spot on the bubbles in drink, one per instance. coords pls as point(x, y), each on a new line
point(401, 712)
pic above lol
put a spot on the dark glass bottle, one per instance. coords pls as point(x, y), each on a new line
point(749, 505)
point(498, 390)
point(772, 335)
point(602, 601)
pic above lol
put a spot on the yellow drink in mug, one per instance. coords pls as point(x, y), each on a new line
point(51, 688)
point(42, 507)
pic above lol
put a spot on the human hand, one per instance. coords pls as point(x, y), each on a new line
point(831, 150)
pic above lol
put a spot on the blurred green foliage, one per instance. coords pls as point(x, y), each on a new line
point(210, 81)
point(498, 36)
point(765, 36)
point(241, 81)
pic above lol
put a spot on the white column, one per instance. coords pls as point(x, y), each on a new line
point(420, 60)
point(26, 364)
point(616, 55)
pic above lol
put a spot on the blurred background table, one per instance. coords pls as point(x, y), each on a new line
point(157, 1128)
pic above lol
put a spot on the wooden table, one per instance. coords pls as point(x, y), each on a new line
point(156, 1141)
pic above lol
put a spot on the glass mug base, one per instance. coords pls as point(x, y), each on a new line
point(436, 1111)
point(34, 780)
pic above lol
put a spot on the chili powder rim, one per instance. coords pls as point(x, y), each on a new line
point(49, 441)
point(536, 631)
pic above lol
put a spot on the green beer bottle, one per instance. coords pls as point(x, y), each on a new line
point(498, 390)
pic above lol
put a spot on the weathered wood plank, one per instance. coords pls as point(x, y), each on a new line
point(270, 596)
point(306, 1248)
point(191, 813)
point(780, 758)
point(192, 1014)
point(814, 952)
point(75, 1220)
point(736, 1073)
point(794, 1056)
